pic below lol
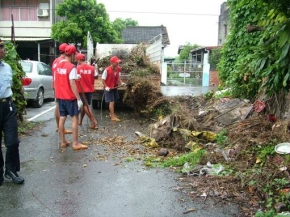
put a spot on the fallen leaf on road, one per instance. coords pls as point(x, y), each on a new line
point(189, 210)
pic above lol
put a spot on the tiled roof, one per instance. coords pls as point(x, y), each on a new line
point(140, 34)
point(205, 48)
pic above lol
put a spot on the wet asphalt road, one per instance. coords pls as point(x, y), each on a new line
point(78, 184)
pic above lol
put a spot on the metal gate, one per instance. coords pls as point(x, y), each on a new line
point(186, 73)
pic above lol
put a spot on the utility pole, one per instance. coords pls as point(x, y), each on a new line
point(184, 70)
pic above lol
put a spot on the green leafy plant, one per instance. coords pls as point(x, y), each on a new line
point(76, 25)
point(12, 58)
point(214, 58)
point(26, 126)
point(209, 94)
point(192, 158)
point(264, 151)
point(271, 188)
point(184, 53)
point(222, 138)
point(259, 62)
point(129, 159)
point(227, 172)
point(270, 213)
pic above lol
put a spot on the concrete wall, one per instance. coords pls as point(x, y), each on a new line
point(224, 27)
point(40, 29)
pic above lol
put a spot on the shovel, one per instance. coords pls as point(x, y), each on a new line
point(104, 95)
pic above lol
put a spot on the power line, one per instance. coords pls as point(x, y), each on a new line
point(137, 12)
point(169, 13)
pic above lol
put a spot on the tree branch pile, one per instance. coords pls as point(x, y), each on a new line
point(145, 97)
point(136, 62)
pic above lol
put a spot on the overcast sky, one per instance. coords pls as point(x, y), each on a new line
point(193, 21)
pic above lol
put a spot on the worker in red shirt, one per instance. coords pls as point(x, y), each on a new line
point(61, 49)
point(86, 88)
point(68, 96)
point(111, 78)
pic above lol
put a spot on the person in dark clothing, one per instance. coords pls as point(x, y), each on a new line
point(8, 125)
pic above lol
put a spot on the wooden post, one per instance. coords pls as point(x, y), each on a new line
point(12, 30)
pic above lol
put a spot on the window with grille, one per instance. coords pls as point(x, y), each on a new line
point(23, 10)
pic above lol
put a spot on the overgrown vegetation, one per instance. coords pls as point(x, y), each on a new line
point(25, 127)
point(192, 158)
point(214, 58)
point(257, 65)
point(184, 53)
point(12, 58)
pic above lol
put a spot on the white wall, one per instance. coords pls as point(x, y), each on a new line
point(26, 29)
point(205, 72)
point(164, 73)
point(104, 50)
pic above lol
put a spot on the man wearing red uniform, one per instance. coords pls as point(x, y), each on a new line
point(68, 96)
point(111, 79)
point(54, 64)
point(86, 88)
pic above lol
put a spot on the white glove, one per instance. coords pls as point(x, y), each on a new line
point(80, 104)
point(107, 89)
point(79, 76)
point(123, 84)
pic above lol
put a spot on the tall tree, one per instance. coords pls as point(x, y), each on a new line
point(81, 17)
point(184, 53)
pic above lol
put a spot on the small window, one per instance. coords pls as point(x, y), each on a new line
point(40, 69)
point(44, 6)
point(26, 66)
point(47, 70)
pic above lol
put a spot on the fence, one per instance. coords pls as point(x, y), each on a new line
point(186, 73)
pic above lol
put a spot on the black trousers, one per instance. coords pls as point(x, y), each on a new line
point(9, 126)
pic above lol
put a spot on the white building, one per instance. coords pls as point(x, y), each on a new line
point(32, 20)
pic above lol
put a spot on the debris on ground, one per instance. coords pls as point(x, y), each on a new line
point(145, 98)
point(237, 139)
point(135, 63)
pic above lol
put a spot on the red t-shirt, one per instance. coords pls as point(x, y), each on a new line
point(54, 65)
point(86, 83)
point(112, 76)
point(62, 84)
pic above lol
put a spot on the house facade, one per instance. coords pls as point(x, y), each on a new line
point(32, 21)
point(199, 58)
point(224, 27)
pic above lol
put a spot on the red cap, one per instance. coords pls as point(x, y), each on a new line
point(115, 59)
point(80, 56)
point(70, 49)
point(62, 47)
